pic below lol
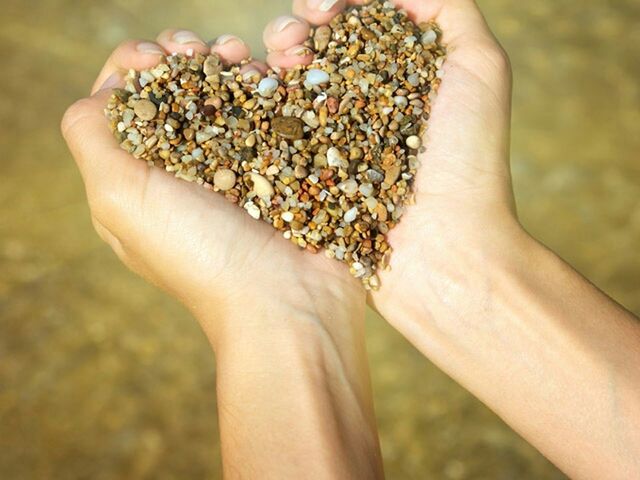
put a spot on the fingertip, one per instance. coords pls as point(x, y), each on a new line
point(182, 41)
point(293, 57)
point(318, 12)
point(231, 49)
point(284, 32)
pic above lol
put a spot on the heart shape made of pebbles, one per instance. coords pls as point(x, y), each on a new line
point(326, 153)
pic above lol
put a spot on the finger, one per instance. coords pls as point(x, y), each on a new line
point(318, 12)
point(285, 32)
point(460, 20)
point(85, 129)
point(182, 41)
point(253, 72)
point(136, 54)
point(294, 56)
point(231, 48)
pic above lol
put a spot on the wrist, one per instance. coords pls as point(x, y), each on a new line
point(294, 309)
point(457, 274)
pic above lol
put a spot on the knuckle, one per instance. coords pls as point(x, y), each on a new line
point(499, 58)
point(73, 117)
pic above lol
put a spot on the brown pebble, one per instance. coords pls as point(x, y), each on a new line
point(289, 128)
point(145, 110)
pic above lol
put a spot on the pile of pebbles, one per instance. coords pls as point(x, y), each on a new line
point(326, 153)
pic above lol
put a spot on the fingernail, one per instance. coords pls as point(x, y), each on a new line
point(298, 51)
point(185, 36)
point(322, 5)
point(283, 22)
point(111, 82)
point(223, 39)
point(149, 48)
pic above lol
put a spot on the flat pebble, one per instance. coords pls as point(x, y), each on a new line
point(317, 77)
point(145, 110)
point(350, 215)
point(290, 128)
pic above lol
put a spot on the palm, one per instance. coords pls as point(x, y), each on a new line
point(465, 171)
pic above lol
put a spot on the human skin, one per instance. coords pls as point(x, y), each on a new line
point(504, 316)
point(294, 394)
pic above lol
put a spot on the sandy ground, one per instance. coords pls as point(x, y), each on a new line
point(103, 377)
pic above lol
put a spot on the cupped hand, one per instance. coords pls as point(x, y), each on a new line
point(195, 244)
point(464, 212)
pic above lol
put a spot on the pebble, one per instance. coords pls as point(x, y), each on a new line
point(224, 179)
point(414, 142)
point(289, 128)
point(325, 153)
point(253, 210)
point(321, 38)
point(145, 110)
point(287, 216)
point(212, 65)
point(268, 86)
point(350, 186)
point(350, 215)
point(261, 186)
point(429, 37)
point(336, 159)
point(317, 77)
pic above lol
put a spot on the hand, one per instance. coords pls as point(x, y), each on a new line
point(191, 242)
point(287, 326)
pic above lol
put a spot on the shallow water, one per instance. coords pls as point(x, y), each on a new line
point(103, 377)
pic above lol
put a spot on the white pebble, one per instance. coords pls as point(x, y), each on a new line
point(366, 189)
point(350, 215)
point(287, 216)
point(267, 86)
point(429, 37)
point(261, 186)
point(317, 77)
point(336, 159)
point(350, 186)
point(414, 142)
point(253, 210)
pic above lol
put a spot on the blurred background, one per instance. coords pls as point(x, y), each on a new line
point(104, 377)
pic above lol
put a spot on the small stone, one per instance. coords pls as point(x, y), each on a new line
point(145, 110)
point(300, 172)
point(289, 128)
point(261, 186)
point(224, 179)
point(212, 65)
point(268, 86)
point(188, 134)
point(250, 141)
point(356, 153)
point(287, 216)
point(317, 77)
point(253, 210)
point(321, 38)
point(414, 142)
point(349, 187)
point(336, 159)
point(429, 37)
point(350, 215)
point(392, 175)
point(366, 189)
